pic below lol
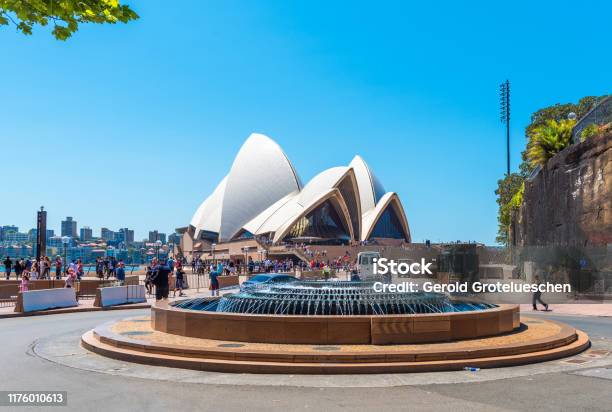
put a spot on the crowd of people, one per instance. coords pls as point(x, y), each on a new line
point(45, 268)
point(109, 267)
point(160, 274)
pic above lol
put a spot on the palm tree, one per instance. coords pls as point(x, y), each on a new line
point(549, 139)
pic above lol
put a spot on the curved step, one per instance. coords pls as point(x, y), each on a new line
point(279, 365)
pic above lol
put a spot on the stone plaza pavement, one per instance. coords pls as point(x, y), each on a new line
point(581, 309)
point(43, 353)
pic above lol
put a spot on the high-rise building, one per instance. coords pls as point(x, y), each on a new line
point(69, 227)
point(32, 235)
point(174, 238)
point(50, 233)
point(154, 236)
point(127, 235)
point(86, 233)
point(107, 234)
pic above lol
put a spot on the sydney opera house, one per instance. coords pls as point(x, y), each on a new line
point(263, 198)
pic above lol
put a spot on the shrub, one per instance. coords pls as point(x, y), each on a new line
point(549, 139)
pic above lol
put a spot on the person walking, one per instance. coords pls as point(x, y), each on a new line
point(179, 280)
point(111, 268)
point(70, 278)
point(537, 295)
point(8, 264)
point(170, 264)
point(58, 267)
point(121, 272)
point(160, 280)
point(25, 280)
point(19, 267)
point(100, 268)
point(79, 269)
point(47, 267)
point(33, 270)
point(214, 282)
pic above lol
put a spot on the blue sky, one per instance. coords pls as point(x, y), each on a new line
point(133, 125)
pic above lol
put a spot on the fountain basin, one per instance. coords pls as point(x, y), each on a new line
point(334, 329)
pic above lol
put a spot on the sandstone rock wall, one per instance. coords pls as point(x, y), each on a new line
point(569, 203)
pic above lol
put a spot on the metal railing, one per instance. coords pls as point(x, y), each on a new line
point(599, 115)
point(85, 289)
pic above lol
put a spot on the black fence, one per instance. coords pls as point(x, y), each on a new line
point(600, 115)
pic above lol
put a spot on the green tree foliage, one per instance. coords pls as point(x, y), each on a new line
point(589, 131)
point(549, 139)
point(65, 15)
point(556, 112)
point(560, 112)
point(506, 190)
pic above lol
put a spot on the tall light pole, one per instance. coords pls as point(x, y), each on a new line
point(41, 233)
point(504, 113)
point(65, 241)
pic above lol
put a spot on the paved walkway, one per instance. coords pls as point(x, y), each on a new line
point(582, 309)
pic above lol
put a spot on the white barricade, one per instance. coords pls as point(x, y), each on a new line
point(49, 299)
point(120, 295)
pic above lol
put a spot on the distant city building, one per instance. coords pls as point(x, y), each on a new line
point(50, 233)
point(174, 238)
point(5, 230)
point(32, 234)
point(56, 242)
point(107, 234)
point(69, 227)
point(154, 236)
point(16, 251)
point(86, 233)
point(16, 237)
point(126, 235)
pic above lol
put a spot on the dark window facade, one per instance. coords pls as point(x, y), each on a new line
point(209, 236)
point(323, 223)
point(243, 234)
point(388, 225)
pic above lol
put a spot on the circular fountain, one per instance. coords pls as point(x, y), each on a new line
point(333, 312)
point(329, 298)
point(333, 327)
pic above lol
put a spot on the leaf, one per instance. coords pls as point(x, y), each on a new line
point(66, 14)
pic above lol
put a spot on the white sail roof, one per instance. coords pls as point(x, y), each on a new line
point(208, 215)
point(370, 188)
point(263, 194)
